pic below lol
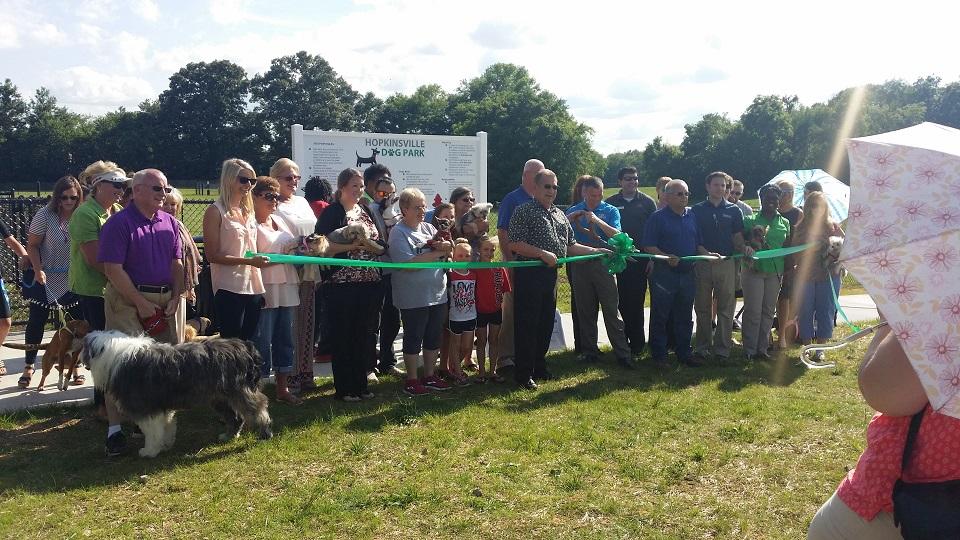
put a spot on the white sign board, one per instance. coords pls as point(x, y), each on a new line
point(436, 164)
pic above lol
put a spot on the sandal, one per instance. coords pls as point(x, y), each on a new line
point(24, 381)
point(289, 398)
point(79, 379)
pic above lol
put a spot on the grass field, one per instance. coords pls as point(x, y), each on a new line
point(749, 450)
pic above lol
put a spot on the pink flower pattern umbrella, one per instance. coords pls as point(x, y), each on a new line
point(903, 245)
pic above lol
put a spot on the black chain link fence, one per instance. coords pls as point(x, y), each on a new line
point(17, 212)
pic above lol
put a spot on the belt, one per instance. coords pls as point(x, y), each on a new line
point(156, 289)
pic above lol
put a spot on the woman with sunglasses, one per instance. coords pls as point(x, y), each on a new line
point(48, 245)
point(274, 338)
point(229, 231)
point(299, 215)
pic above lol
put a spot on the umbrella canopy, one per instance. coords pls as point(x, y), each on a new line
point(837, 193)
point(903, 245)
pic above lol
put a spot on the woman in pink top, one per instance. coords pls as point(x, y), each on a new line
point(862, 506)
point(274, 336)
point(229, 231)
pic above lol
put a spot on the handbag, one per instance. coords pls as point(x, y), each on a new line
point(928, 510)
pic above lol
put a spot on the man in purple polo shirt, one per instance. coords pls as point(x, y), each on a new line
point(510, 202)
point(142, 258)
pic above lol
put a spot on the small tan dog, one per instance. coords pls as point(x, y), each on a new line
point(196, 329)
point(63, 351)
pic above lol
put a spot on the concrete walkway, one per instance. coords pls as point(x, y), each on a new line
point(857, 307)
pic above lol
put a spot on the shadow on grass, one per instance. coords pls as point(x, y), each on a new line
point(57, 449)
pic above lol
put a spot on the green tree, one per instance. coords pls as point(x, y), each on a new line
point(946, 110)
point(701, 150)
point(761, 143)
point(13, 111)
point(659, 159)
point(426, 111)
point(523, 122)
point(304, 89)
point(45, 152)
point(202, 119)
point(619, 160)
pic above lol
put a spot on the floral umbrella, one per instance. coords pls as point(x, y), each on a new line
point(903, 245)
point(836, 192)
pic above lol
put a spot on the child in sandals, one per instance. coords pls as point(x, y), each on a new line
point(491, 284)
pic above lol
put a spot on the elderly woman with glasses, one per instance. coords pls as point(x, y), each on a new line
point(302, 220)
point(48, 246)
point(229, 231)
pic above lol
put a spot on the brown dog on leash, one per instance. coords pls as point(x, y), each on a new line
point(63, 351)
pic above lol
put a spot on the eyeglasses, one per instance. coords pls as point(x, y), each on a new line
point(116, 185)
point(158, 189)
point(245, 180)
point(290, 178)
point(631, 178)
point(69, 198)
point(551, 187)
point(737, 193)
point(271, 197)
point(682, 194)
point(385, 193)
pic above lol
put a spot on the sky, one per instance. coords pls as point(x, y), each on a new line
point(629, 70)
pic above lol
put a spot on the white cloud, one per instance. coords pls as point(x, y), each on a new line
point(148, 10)
point(84, 86)
point(132, 51)
point(47, 34)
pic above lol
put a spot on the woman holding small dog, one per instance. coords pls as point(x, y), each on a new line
point(274, 337)
point(761, 278)
point(815, 272)
point(229, 231)
point(298, 213)
point(420, 295)
point(350, 294)
point(48, 245)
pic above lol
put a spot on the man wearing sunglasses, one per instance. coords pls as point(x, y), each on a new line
point(734, 196)
point(672, 232)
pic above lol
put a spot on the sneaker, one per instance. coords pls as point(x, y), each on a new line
point(367, 395)
point(393, 371)
point(435, 383)
point(116, 444)
point(349, 398)
point(414, 388)
point(372, 377)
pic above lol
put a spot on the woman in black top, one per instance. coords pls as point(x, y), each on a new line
point(350, 294)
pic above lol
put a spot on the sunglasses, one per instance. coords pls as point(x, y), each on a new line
point(551, 187)
point(290, 178)
point(385, 193)
point(271, 197)
point(158, 189)
point(69, 198)
point(245, 180)
point(468, 199)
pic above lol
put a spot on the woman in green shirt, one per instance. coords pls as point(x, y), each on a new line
point(761, 278)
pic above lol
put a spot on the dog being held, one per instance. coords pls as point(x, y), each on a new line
point(312, 245)
point(477, 212)
point(831, 255)
point(757, 239)
point(150, 381)
point(63, 351)
point(354, 233)
point(443, 234)
point(390, 210)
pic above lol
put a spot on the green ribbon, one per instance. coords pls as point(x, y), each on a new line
point(836, 302)
point(621, 246)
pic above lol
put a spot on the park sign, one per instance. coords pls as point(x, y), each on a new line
point(436, 164)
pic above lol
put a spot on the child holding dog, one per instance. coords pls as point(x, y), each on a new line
point(491, 284)
point(462, 320)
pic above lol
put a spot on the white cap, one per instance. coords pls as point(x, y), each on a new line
point(110, 176)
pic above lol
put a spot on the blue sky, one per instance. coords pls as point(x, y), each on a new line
point(630, 70)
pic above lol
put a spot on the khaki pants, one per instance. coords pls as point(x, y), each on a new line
point(593, 285)
point(715, 280)
point(506, 331)
point(760, 291)
point(836, 521)
point(122, 315)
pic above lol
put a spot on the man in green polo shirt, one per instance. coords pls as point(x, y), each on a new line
point(86, 278)
point(761, 278)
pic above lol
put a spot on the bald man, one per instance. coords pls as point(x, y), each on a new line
point(515, 198)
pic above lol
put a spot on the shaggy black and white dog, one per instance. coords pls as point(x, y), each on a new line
point(150, 381)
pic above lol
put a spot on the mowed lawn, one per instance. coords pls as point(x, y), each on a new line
point(742, 451)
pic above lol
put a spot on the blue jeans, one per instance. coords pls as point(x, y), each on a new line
point(274, 340)
point(671, 293)
point(817, 305)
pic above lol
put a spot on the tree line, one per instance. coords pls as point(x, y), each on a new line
point(214, 110)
